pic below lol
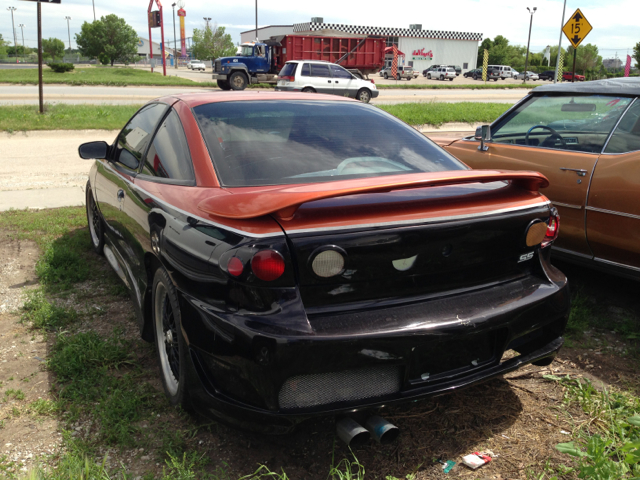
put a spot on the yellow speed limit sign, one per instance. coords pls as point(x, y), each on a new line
point(577, 28)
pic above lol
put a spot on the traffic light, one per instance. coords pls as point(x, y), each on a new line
point(154, 18)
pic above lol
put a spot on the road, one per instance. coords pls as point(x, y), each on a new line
point(28, 94)
point(41, 169)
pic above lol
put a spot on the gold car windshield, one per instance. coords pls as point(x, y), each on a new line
point(569, 122)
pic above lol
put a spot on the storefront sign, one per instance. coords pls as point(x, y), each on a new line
point(422, 55)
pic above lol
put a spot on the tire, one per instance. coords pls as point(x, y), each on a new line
point(386, 76)
point(170, 344)
point(475, 77)
point(441, 77)
point(238, 81)
point(96, 227)
point(429, 76)
point(308, 90)
point(451, 79)
point(224, 84)
point(363, 95)
point(496, 79)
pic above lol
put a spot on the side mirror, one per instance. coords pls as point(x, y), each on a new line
point(93, 150)
point(483, 134)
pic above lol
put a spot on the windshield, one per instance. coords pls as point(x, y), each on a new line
point(247, 51)
point(288, 142)
point(569, 122)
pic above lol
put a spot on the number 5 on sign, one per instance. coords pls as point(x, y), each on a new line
point(577, 28)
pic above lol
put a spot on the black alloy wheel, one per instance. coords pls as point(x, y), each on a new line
point(96, 227)
point(170, 344)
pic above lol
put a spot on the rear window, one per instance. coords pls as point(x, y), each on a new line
point(289, 70)
point(289, 142)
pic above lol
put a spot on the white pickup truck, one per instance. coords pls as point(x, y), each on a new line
point(196, 65)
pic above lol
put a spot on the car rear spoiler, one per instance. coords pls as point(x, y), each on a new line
point(284, 200)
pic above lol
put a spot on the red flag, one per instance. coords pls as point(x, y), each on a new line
point(394, 63)
point(627, 68)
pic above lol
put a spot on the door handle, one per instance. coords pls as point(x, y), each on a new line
point(337, 81)
point(120, 195)
point(328, 81)
point(579, 171)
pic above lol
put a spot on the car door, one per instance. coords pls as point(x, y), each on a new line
point(320, 78)
point(114, 181)
point(343, 82)
point(551, 135)
point(613, 209)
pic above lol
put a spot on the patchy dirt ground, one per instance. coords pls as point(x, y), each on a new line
point(516, 417)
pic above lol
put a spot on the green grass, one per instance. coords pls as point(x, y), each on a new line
point(110, 76)
point(65, 117)
point(434, 113)
point(113, 117)
point(608, 445)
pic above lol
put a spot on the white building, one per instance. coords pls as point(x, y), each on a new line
point(422, 48)
point(143, 47)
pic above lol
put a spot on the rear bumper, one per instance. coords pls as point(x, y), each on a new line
point(255, 376)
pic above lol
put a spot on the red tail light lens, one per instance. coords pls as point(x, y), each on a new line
point(371, 80)
point(235, 266)
point(289, 78)
point(268, 265)
point(553, 229)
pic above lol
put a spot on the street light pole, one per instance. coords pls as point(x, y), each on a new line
point(94, 9)
point(22, 29)
point(175, 58)
point(256, 20)
point(69, 31)
point(526, 61)
point(207, 19)
point(15, 43)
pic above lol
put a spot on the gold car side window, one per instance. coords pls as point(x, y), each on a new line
point(626, 137)
point(580, 123)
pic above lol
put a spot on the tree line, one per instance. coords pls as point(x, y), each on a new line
point(588, 60)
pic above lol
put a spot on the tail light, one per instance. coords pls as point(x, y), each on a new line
point(235, 266)
point(371, 80)
point(328, 263)
point(267, 265)
point(289, 78)
point(553, 229)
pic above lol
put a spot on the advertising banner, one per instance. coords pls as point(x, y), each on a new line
point(183, 42)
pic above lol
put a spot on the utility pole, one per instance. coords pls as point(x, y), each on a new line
point(526, 60)
point(175, 49)
point(15, 43)
point(22, 29)
point(256, 20)
point(555, 77)
point(69, 31)
point(94, 9)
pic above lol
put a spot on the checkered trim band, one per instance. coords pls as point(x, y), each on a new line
point(386, 32)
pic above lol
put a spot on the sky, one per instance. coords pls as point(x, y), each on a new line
point(615, 23)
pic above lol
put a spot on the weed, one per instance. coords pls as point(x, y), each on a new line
point(614, 452)
point(63, 262)
point(44, 314)
point(15, 394)
point(44, 407)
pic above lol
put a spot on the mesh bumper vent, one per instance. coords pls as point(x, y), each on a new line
point(304, 391)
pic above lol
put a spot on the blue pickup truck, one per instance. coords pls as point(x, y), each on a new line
point(254, 64)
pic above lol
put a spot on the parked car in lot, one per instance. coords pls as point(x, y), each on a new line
point(585, 138)
point(196, 65)
point(475, 73)
point(401, 72)
point(569, 76)
point(442, 73)
point(505, 70)
point(301, 255)
point(527, 76)
point(324, 77)
point(547, 75)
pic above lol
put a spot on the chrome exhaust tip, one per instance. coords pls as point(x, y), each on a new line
point(351, 432)
point(381, 430)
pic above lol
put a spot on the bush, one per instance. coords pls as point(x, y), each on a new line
point(60, 67)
